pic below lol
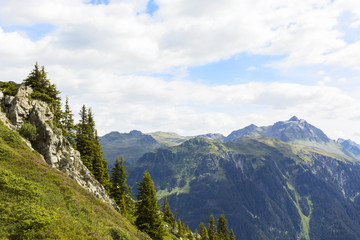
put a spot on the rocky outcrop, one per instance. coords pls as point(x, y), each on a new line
point(50, 142)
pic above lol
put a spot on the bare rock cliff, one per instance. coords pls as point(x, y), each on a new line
point(50, 142)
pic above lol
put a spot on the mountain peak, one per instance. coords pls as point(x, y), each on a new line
point(293, 119)
point(135, 133)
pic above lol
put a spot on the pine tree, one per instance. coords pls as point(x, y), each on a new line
point(167, 214)
point(87, 143)
point(232, 235)
point(68, 124)
point(83, 139)
point(147, 211)
point(45, 91)
point(196, 234)
point(203, 232)
point(119, 190)
point(212, 229)
point(222, 229)
point(181, 228)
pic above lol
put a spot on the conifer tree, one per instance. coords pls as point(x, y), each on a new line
point(44, 90)
point(203, 232)
point(148, 218)
point(181, 228)
point(212, 228)
point(68, 124)
point(119, 190)
point(87, 143)
point(167, 214)
point(196, 234)
point(222, 229)
point(83, 139)
point(232, 235)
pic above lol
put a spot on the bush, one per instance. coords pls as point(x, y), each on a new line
point(118, 234)
point(28, 131)
point(9, 88)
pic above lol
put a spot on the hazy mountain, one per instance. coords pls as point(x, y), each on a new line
point(288, 131)
point(266, 188)
point(350, 148)
point(168, 139)
point(131, 145)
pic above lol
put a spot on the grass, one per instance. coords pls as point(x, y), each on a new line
point(39, 202)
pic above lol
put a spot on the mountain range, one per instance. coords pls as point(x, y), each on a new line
point(285, 181)
point(134, 144)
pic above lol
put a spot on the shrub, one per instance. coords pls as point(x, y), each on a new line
point(118, 234)
point(28, 131)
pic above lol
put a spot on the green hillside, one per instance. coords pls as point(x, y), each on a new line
point(168, 139)
point(39, 202)
point(267, 189)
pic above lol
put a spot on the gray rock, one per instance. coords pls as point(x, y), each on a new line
point(50, 143)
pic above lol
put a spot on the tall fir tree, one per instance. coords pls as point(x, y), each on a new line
point(232, 235)
point(203, 232)
point(148, 218)
point(212, 233)
point(181, 229)
point(68, 124)
point(119, 190)
point(167, 214)
point(222, 229)
point(45, 91)
point(87, 143)
point(83, 139)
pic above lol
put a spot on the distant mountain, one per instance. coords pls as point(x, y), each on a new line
point(266, 188)
point(168, 139)
point(213, 136)
point(350, 148)
point(131, 145)
point(288, 131)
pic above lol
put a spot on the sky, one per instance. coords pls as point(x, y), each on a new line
point(192, 67)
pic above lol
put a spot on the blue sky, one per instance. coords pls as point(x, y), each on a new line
point(192, 67)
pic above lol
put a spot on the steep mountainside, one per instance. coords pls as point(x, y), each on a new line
point(266, 188)
point(38, 201)
point(50, 143)
point(130, 145)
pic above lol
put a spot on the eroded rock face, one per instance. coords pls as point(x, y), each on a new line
point(50, 143)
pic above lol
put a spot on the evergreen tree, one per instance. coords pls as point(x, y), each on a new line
point(147, 211)
point(87, 143)
point(45, 91)
point(167, 214)
point(232, 235)
point(203, 232)
point(196, 234)
point(181, 228)
point(119, 190)
point(222, 229)
point(212, 229)
point(68, 124)
point(83, 139)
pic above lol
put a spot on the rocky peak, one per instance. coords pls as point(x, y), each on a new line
point(293, 119)
point(50, 142)
point(292, 130)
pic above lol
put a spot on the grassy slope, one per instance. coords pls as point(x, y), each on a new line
point(168, 139)
point(38, 202)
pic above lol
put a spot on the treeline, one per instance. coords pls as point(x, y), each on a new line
point(149, 217)
point(144, 212)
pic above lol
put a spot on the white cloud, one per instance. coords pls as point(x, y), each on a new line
point(103, 55)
